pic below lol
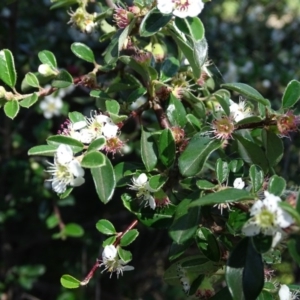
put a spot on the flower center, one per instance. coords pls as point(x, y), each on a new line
point(182, 4)
point(62, 172)
point(266, 218)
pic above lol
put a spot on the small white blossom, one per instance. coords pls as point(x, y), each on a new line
point(285, 293)
point(267, 217)
point(141, 185)
point(66, 170)
point(112, 262)
point(51, 106)
point(46, 70)
point(239, 111)
point(239, 183)
point(181, 8)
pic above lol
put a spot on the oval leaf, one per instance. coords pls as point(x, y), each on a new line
point(73, 230)
point(7, 66)
point(93, 159)
point(29, 101)
point(129, 237)
point(176, 112)
point(276, 185)
point(11, 108)
point(104, 180)
point(166, 148)
point(148, 150)
point(83, 51)
point(291, 94)
point(61, 139)
point(32, 80)
point(105, 227)
point(44, 150)
point(47, 57)
point(69, 282)
point(62, 80)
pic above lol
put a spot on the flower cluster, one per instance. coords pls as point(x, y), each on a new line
point(112, 262)
point(144, 191)
point(181, 8)
point(284, 293)
point(66, 170)
point(92, 128)
point(267, 217)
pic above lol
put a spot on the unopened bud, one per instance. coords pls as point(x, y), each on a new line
point(46, 70)
point(2, 92)
point(158, 51)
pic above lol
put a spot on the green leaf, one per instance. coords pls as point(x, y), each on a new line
point(112, 106)
point(208, 244)
point(83, 51)
point(185, 222)
point(157, 181)
point(69, 282)
point(63, 3)
point(291, 94)
point(52, 221)
point(298, 202)
point(153, 22)
point(274, 147)
point(104, 180)
point(262, 243)
point(276, 185)
point(129, 237)
point(125, 255)
point(76, 116)
point(148, 150)
point(294, 248)
point(257, 178)
point(205, 185)
point(235, 165)
point(191, 26)
point(224, 196)
point(136, 94)
point(124, 172)
point(73, 230)
point(7, 66)
point(169, 68)
point(62, 80)
point(44, 150)
point(158, 218)
point(176, 112)
point(291, 210)
point(47, 57)
point(177, 250)
point(106, 227)
point(93, 159)
point(247, 91)
point(265, 295)
point(109, 241)
point(29, 101)
point(192, 160)
point(61, 139)
point(97, 144)
point(251, 153)
point(32, 80)
point(222, 170)
point(11, 108)
point(166, 148)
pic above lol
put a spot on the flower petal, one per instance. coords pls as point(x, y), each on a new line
point(64, 154)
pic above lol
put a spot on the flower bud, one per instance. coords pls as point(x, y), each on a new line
point(2, 92)
point(159, 52)
point(46, 70)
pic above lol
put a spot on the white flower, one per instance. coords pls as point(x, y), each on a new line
point(66, 170)
point(239, 183)
point(267, 217)
point(46, 70)
point(51, 106)
point(141, 185)
point(239, 111)
point(181, 8)
point(111, 261)
point(285, 293)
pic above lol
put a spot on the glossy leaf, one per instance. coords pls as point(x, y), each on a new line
point(112, 106)
point(224, 196)
point(291, 94)
point(257, 177)
point(69, 282)
point(192, 160)
point(177, 250)
point(83, 51)
point(246, 91)
point(97, 144)
point(125, 255)
point(208, 244)
point(73, 230)
point(61, 139)
point(166, 148)
point(109, 241)
point(176, 112)
point(93, 159)
point(62, 80)
point(11, 108)
point(294, 248)
point(169, 68)
point(274, 147)
point(185, 222)
point(124, 172)
point(32, 80)
point(47, 57)
point(156, 182)
point(7, 66)
point(251, 153)
point(105, 227)
point(44, 150)
point(191, 26)
point(129, 237)
point(29, 101)
point(104, 180)
point(158, 218)
point(205, 185)
point(153, 22)
point(235, 165)
point(262, 243)
point(148, 150)
point(222, 170)
point(76, 116)
point(276, 185)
